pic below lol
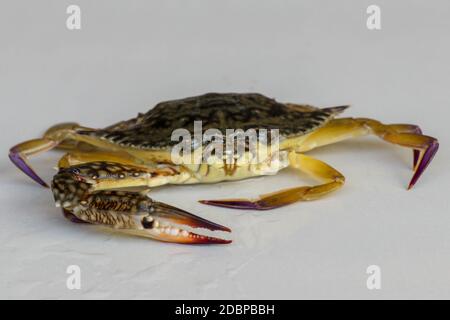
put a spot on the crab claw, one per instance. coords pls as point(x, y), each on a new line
point(167, 223)
point(179, 216)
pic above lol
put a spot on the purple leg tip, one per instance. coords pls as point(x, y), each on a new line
point(15, 157)
point(416, 154)
point(237, 204)
point(426, 159)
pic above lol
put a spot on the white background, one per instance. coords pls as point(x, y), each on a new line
point(129, 55)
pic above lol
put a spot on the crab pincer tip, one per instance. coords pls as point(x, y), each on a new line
point(201, 239)
point(180, 216)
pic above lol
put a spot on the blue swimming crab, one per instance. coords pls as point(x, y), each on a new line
point(105, 176)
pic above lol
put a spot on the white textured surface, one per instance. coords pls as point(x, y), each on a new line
point(130, 55)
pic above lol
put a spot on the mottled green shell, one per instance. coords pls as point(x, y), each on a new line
point(221, 111)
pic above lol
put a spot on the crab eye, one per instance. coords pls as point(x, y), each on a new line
point(121, 176)
point(148, 222)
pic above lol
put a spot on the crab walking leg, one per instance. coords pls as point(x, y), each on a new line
point(330, 177)
point(19, 154)
point(75, 189)
point(59, 135)
point(403, 135)
point(75, 158)
point(63, 132)
point(409, 128)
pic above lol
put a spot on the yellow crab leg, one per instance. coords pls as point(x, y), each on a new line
point(19, 154)
point(409, 128)
point(331, 180)
point(336, 130)
point(62, 135)
point(76, 157)
point(425, 147)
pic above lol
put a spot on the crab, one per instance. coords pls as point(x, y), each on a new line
point(105, 177)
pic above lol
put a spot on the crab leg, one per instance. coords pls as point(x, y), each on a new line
point(19, 154)
point(331, 178)
point(75, 158)
point(58, 135)
point(89, 193)
point(408, 128)
point(425, 147)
